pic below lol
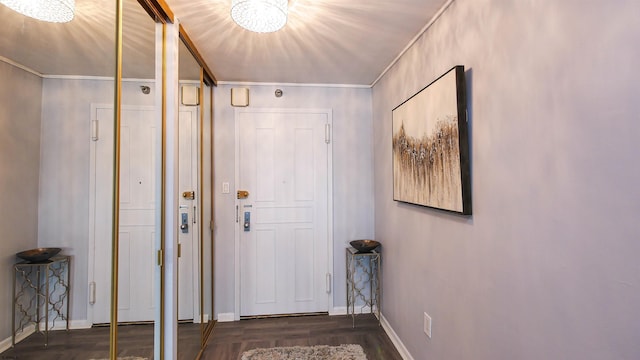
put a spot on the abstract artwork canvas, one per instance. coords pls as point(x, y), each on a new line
point(431, 148)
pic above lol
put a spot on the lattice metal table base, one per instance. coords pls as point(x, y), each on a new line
point(363, 282)
point(41, 295)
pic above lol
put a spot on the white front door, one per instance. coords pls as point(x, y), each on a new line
point(137, 253)
point(284, 164)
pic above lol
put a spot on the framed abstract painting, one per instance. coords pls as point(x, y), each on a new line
point(431, 146)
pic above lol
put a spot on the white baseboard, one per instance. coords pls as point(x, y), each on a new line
point(406, 355)
point(338, 310)
point(395, 339)
point(62, 325)
point(196, 318)
point(342, 310)
point(6, 343)
point(79, 324)
point(226, 317)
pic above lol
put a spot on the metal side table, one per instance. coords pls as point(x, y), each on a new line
point(41, 294)
point(364, 282)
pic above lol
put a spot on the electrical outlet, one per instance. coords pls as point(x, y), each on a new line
point(427, 325)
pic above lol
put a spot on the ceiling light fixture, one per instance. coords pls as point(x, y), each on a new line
point(57, 11)
point(262, 16)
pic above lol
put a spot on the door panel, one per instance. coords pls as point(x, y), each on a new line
point(283, 163)
point(304, 258)
point(266, 261)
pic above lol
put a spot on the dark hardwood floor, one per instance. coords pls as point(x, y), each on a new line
point(227, 342)
point(230, 339)
point(85, 344)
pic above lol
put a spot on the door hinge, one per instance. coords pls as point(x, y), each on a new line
point(328, 283)
point(94, 130)
point(327, 133)
point(92, 292)
point(160, 258)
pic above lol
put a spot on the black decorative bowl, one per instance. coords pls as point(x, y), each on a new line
point(38, 255)
point(364, 245)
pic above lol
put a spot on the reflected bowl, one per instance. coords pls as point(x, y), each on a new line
point(38, 255)
point(364, 245)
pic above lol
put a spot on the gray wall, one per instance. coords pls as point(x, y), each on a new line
point(547, 267)
point(352, 169)
point(20, 104)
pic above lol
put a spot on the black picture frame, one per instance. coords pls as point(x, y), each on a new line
point(430, 145)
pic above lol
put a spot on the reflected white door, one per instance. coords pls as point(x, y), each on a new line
point(188, 237)
point(283, 164)
point(137, 253)
point(137, 216)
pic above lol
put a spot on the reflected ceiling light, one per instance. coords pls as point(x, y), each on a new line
point(260, 16)
point(58, 11)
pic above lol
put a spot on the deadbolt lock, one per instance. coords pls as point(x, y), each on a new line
point(189, 195)
point(243, 194)
point(184, 223)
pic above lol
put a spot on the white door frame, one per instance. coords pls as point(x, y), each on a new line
point(92, 207)
point(329, 114)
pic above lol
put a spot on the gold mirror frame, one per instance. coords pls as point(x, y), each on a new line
point(160, 13)
point(207, 81)
point(207, 328)
point(115, 225)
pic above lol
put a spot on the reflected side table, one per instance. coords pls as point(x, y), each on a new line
point(364, 282)
point(41, 294)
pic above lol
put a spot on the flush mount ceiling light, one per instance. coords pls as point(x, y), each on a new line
point(260, 16)
point(57, 11)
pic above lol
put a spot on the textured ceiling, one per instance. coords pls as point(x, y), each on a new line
point(324, 41)
point(84, 46)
